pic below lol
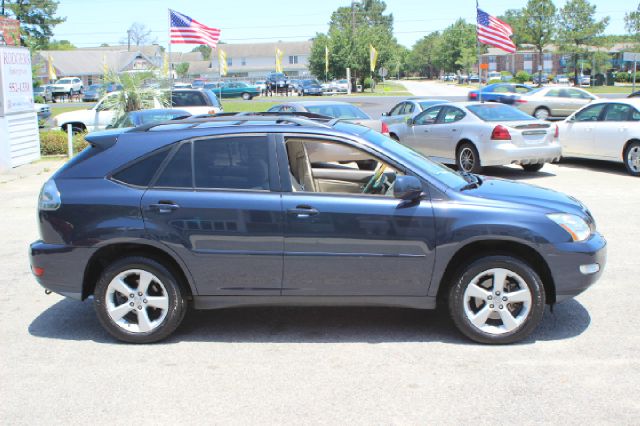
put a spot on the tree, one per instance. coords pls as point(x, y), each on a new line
point(540, 16)
point(37, 19)
point(204, 50)
point(516, 20)
point(182, 69)
point(578, 30)
point(139, 34)
point(422, 58)
point(632, 23)
point(458, 41)
point(60, 45)
point(135, 94)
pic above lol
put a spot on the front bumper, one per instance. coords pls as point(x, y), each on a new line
point(62, 267)
point(565, 261)
point(500, 154)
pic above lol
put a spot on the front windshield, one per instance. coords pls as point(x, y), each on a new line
point(310, 82)
point(497, 112)
point(409, 157)
point(63, 82)
point(347, 112)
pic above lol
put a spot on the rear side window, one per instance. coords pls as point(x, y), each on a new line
point(232, 163)
point(141, 172)
point(178, 172)
point(188, 98)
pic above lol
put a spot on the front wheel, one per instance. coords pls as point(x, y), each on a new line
point(632, 158)
point(541, 113)
point(468, 159)
point(497, 300)
point(532, 167)
point(138, 300)
point(246, 96)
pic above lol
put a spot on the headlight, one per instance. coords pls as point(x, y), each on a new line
point(574, 225)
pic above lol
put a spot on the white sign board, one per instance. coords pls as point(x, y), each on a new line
point(631, 57)
point(15, 81)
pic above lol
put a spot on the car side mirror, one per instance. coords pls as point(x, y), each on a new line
point(410, 122)
point(407, 188)
point(385, 114)
point(572, 119)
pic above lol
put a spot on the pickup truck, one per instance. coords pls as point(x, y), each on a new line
point(194, 101)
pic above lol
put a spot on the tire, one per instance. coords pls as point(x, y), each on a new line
point(542, 113)
point(631, 158)
point(394, 137)
point(473, 296)
point(246, 96)
point(468, 159)
point(112, 303)
point(532, 167)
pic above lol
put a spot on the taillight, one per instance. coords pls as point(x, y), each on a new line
point(557, 133)
point(38, 272)
point(521, 101)
point(49, 196)
point(385, 129)
point(473, 95)
point(500, 133)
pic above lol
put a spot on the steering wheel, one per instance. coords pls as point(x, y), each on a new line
point(375, 179)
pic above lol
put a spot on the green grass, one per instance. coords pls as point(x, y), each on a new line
point(611, 89)
point(57, 110)
point(249, 106)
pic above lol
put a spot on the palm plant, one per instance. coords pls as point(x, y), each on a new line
point(136, 94)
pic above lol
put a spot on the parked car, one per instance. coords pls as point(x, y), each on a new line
point(294, 85)
point(585, 80)
point(342, 110)
point(67, 86)
point(196, 101)
point(537, 78)
point(635, 94)
point(260, 84)
point(561, 79)
point(152, 223)
point(449, 77)
point(604, 130)
point(45, 91)
point(310, 87)
point(43, 111)
point(473, 135)
point(148, 116)
point(473, 78)
point(407, 109)
point(237, 89)
point(277, 82)
point(500, 92)
point(551, 102)
point(93, 93)
point(198, 83)
point(341, 86)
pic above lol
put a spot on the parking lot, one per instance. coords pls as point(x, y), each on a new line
point(328, 365)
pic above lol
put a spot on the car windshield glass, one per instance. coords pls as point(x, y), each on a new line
point(498, 113)
point(338, 111)
point(427, 104)
point(64, 81)
point(95, 86)
point(310, 82)
point(407, 156)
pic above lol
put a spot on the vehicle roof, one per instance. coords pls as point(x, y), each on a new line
point(155, 110)
point(631, 101)
point(316, 103)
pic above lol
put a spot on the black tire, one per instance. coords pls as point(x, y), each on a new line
point(532, 167)
point(471, 162)
point(529, 319)
point(394, 137)
point(633, 149)
point(544, 113)
point(177, 304)
point(246, 96)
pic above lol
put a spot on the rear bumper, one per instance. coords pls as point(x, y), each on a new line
point(62, 267)
point(565, 262)
point(507, 153)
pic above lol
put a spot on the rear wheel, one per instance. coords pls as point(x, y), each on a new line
point(497, 300)
point(138, 300)
point(532, 167)
point(246, 96)
point(541, 113)
point(468, 159)
point(632, 158)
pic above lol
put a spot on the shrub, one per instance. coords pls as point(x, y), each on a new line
point(522, 77)
point(368, 83)
point(551, 77)
point(622, 77)
point(38, 99)
point(54, 142)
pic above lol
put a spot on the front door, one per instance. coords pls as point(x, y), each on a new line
point(578, 135)
point(613, 131)
point(351, 237)
point(214, 208)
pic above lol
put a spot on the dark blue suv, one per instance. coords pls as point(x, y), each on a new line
point(283, 210)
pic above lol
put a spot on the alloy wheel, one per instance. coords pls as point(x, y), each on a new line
point(467, 159)
point(137, 301)
point(497, 301)
point(633, 159)
point(541, 114)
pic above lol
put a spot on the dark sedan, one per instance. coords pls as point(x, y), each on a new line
point(500, 92)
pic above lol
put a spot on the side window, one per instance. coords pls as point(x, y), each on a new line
point(276, 108)
point(408, 108)
point(520, 89)
point(429, 116)
point(451, 115)
point(140, 172)
point(553, 93)
point(501, 89)
point(397, 110)
point(635, 115)
point(617, 112)
point(232, 163)
point(590, 114)
point(576, 94)
point(178, 172)
point(338, 168)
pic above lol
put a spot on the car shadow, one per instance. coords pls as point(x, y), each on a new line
point(514, 173)
point(72, 320)
point(594, 165)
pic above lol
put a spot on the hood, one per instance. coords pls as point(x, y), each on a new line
point(524, 194)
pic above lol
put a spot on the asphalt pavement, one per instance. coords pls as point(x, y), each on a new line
point(327, 365)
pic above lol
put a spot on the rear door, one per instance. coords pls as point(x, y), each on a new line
point(215, 206)
point(419, 135)
point(446, 132)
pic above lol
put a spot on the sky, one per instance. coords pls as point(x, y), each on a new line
point(92, 22)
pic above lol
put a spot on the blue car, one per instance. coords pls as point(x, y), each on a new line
point(272, 209)
point(500, 92)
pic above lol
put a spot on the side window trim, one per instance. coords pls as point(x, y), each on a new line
point(175, 148)
point(169, 148)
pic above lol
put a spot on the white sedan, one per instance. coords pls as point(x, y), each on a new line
point(604, 130)
point(472, 135)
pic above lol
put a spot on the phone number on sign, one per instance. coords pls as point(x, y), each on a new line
point(19, 87)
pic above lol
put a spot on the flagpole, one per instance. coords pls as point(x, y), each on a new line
point(479, 60)
point(169, 58)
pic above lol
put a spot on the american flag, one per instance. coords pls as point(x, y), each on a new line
point(185, 30)
point(494, 32)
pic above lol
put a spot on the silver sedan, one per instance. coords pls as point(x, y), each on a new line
point(472, 135)
point(408, 109)
point(548, 102)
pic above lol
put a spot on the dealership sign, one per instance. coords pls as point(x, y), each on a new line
point(9, 31)
point(15, 80)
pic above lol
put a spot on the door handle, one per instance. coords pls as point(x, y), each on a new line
point(164, 207)
point(454, 130)
point(303, 212)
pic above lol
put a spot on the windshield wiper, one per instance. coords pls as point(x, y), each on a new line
point(474, 181)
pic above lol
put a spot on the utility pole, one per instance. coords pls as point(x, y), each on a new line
point(128, 40)
point(2, 8)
